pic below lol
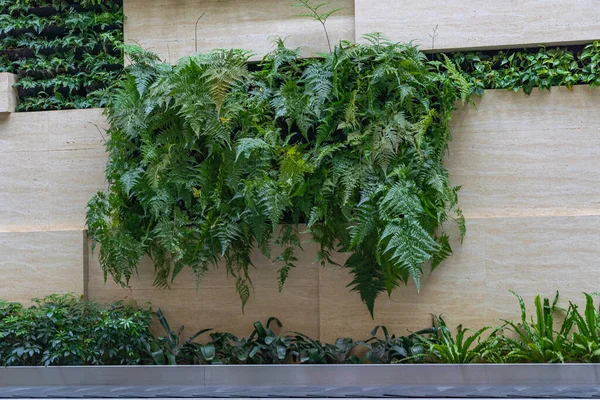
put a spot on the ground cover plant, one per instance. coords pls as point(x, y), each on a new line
point(527, 69)
point(63, 330)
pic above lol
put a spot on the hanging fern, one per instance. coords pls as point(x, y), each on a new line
point(207, 160)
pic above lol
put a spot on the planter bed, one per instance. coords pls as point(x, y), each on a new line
point(384, 381)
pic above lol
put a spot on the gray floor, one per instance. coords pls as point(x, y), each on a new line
point(258, 392)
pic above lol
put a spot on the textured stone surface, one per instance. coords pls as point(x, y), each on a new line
point(36, 264)
point(50, 165)
point(519, 155)
point(167, 27)
point(215, 303)
point(530, 255)
point(8, 94)
point(469, 24)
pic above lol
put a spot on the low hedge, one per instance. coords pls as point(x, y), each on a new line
point(63, 330)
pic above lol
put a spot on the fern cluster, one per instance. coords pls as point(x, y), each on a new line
point(208, 161)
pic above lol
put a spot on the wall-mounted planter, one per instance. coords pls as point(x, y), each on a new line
point(43, 11)
point(19, 54)
point(8, 94)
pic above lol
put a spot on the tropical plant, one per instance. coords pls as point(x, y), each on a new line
point(169, 350)
point(537, 341)
point(458, 349)
point(586, 340)
point(529, 69)
point(590, 60)
point(392, 349)
point(206, 160)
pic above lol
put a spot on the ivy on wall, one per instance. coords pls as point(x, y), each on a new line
point(66, 53)
point(207, 160)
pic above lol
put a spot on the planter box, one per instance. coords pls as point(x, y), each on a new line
point(8, 94)
point(289, 376)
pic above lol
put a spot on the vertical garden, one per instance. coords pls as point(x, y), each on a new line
point(329, 191)
point(65, 53)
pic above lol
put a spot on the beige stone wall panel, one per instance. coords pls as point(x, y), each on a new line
point(486, 24)
point(215, 303)
point(166, 27)
point(51, 163)
point(519, 155)
point(36, 264)
point(8, 94)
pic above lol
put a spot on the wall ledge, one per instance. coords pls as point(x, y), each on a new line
point(8, 94)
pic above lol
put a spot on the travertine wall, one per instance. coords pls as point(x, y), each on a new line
point(487, 24)
point(531, 190)
point(8, 94)
point(50, 164)
point(167, 27)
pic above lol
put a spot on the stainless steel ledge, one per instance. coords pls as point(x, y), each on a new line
point(305, 375)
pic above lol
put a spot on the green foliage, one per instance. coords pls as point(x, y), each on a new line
point(526, 70)
point(458, 349)
point(61, 330)
point(266, 346)
point(63, 3)
point(167, 349)
point(537, 341)
point(393, 349)
point(586, 340)
point(67, 54)
point(207, 159)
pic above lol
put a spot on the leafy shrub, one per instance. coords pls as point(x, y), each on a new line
point(207, 159)
point(586, 340)
point(61, 330)
point(167, 350)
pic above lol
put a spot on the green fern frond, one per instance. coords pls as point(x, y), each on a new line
point(208, 160)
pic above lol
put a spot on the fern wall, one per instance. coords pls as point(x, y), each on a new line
point(528, 166)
